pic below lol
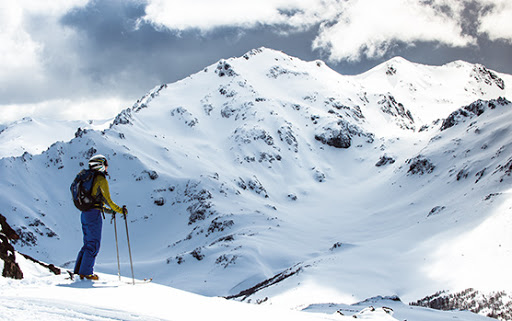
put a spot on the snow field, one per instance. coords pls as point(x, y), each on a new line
point(227, 187)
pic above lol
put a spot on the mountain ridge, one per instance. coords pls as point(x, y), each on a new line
point(258, 164)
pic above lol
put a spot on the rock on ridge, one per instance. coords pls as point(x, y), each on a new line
point(473, 110)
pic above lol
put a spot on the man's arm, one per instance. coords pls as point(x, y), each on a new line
point(105, 192)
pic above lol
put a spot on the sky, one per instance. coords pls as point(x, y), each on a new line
point(89, 59)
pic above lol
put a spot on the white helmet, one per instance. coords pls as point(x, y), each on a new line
point(98, 163)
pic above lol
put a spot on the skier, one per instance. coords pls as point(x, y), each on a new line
point(92, 221)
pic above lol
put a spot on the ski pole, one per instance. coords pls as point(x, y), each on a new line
point(117, 246)
point(129, 249)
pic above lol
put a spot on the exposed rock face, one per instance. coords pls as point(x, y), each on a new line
point(403, 116)
point(225, 69)
point(335, 138)
point(420, 166)
point(482, 74)
point(11, 268)
point(385, 160)
point(473, 110)
point(339, 134)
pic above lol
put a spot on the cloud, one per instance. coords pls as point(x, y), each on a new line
point(64, 52)
point(51, 69)
point(496, 23)
point(24, 56)
point(369, 28)
point(348, 30)
point(205, 15)
point(19, 52)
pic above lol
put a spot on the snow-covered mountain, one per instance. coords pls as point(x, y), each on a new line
point(269, 179)
point(46, 292)
point(35, 135)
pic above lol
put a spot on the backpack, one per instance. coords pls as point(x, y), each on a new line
point(81, 190)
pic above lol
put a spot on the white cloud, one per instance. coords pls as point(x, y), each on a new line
point(54, 7)
point(369, 28)
point(207, 14)
point(45, 63)
point(19, 52)
point(497, 23)
point(22, 58)
point(350, 29)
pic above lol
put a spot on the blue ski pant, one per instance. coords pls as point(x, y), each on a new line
point(91, 227)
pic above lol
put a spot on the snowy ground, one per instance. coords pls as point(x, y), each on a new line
point(43, 296)
point(48, 297)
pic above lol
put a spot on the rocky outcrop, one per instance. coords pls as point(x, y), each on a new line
point(403, 116)
point(339, 134)
point(420, 165)
point(473, 110)
point(482, 74)
point(496, 305)
point(11, 268)
point(225, 69)
point(294, 270)
point(385, 160)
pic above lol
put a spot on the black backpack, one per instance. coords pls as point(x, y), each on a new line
point(81, 190)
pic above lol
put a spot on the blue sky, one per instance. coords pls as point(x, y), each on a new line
point(92, 58)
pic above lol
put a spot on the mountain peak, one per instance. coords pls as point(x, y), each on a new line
point(262, 50)
point(392, 66)
point(227, 168)
point(399, 60)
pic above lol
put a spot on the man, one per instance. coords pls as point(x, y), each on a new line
point(92, 220)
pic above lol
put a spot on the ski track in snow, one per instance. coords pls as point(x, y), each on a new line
point(20, 309)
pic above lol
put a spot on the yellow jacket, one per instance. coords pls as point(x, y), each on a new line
point(100, 187)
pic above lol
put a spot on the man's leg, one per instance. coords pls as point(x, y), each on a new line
point(91, 224)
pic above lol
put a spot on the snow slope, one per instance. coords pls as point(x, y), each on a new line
point(35, 135)
point(432, 92)
point(48, 297)
point(264, 168)
point(44, 296)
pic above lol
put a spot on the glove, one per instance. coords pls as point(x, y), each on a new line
point(125, 210)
